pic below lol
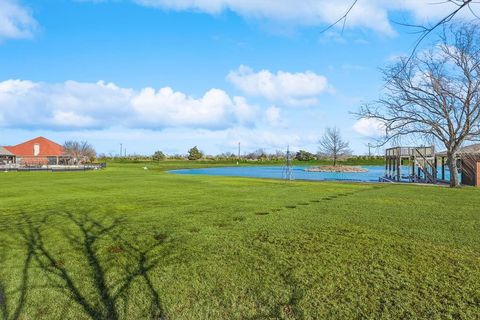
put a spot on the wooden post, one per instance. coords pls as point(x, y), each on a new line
point(388, 170)
point(477, 173)
point(386, 164)
point(393, 168)
point(435, 174)
point(412, 159)
point(443, 168)
point(399, 163)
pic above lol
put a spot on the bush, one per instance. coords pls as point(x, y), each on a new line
point(158, 156)
point(303, 155)
point(194, 154)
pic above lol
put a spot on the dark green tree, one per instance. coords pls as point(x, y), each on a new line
point(194, 154)
point(158, 156)
point(303, 155)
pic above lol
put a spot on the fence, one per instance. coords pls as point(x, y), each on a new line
point(53, 168)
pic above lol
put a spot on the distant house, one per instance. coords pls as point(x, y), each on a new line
point(36, 152)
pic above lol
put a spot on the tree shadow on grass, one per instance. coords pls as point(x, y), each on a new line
point(16, 311)
point(105, 273)
point(289, 306)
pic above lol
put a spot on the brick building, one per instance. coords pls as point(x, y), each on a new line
point(36, 152)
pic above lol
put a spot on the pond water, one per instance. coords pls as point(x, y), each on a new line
point(277, 172)
point(299, 173)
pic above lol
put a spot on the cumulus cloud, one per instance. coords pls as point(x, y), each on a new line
point(368, 127)
point(16, 21)
point(267, 138)
point(369, 14)
point(166, 107)
point(297, 89)
point(76, 105)
point(273, 115)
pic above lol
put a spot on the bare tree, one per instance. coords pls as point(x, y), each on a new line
point(423, 31)
point(333, 146)
point(435, 94)
point(79, 151)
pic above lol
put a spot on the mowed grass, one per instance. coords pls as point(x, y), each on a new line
point(128, 243)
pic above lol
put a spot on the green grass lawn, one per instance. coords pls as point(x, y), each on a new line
point(128, 243)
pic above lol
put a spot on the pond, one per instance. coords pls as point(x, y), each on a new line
point(372, 175)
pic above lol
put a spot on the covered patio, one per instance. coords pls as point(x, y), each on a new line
point(6, 157)
point(468, 161)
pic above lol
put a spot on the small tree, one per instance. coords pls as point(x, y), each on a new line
point(194, 154)
point(258, 154)
point(79, 151)
point(158, 156)
point(303, 155)
point(333, 146)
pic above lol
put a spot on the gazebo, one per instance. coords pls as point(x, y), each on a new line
point(6, 157)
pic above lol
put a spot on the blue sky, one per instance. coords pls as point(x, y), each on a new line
point(168, 75)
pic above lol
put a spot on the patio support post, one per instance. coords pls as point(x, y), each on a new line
point(399, 163)
point(443, 168)
point(412, 164)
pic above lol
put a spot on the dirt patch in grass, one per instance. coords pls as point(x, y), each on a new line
point(160, 237)
point(115, 249)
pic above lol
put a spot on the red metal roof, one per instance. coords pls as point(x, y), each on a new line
point(47, 148)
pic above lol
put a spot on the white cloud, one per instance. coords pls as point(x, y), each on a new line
point(16, 21)
point(269, 139)
point(71, 119)
point(273, 115)
point(369, 127)
point(168, 108)
point(297, 89)
point(76, 105)
point(369, 14)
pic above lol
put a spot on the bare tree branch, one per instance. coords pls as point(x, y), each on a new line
point(342, 19)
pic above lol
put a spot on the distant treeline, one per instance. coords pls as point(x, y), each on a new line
point(259, 155)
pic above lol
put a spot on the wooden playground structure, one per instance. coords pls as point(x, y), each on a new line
point(424, 165)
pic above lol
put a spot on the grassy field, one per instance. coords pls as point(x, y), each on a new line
point(128, 243)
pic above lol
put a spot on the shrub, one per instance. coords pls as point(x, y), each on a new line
point(303, 155)
point(158, 156)
point(194, 154)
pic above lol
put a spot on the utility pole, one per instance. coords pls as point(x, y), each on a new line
point(369, 151)
point(238, 159)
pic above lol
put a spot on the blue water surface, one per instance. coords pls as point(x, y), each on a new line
point(299, 173)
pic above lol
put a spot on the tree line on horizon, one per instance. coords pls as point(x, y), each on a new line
point(331, 147)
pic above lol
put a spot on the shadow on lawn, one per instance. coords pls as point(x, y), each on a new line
point(106, 271)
